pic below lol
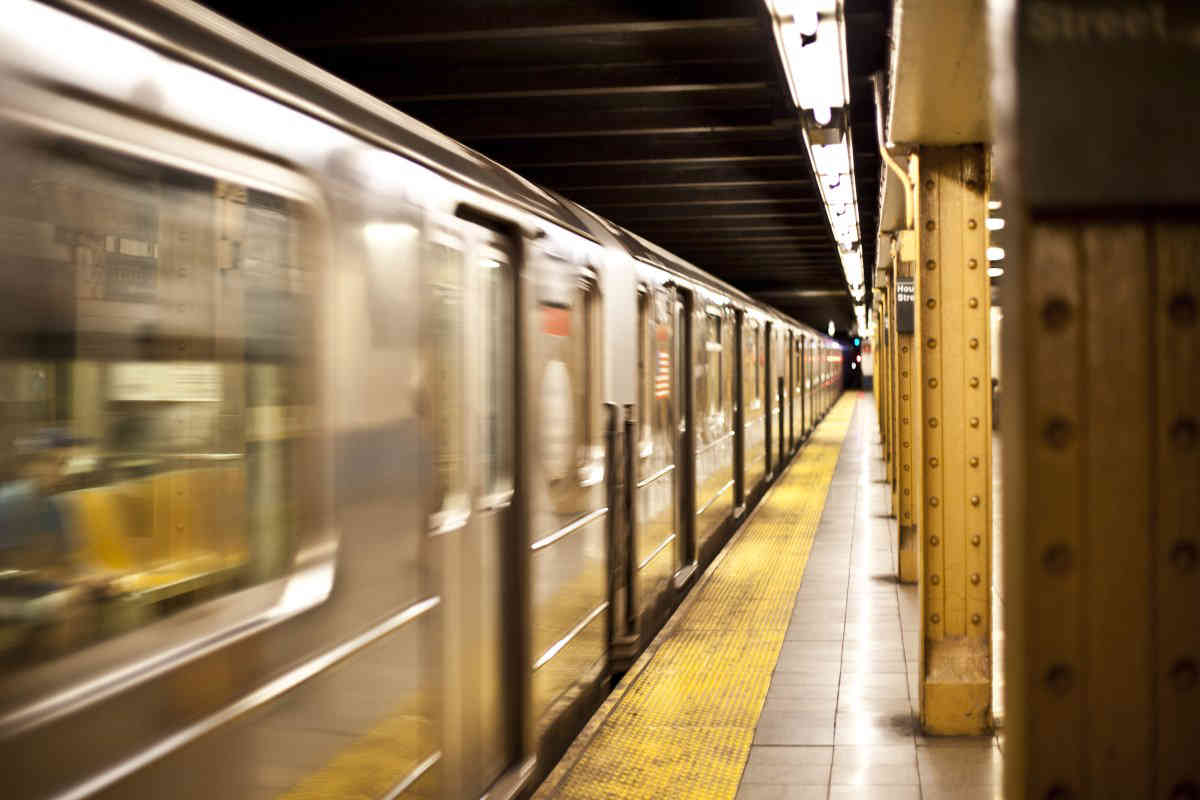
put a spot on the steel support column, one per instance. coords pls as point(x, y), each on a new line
point(1101, 419)
point(908, 401)
point(955, 428)
point(1109, 469)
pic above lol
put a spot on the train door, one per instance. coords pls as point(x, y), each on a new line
point(770, 402)
point(779, 388)
point(798, 386)
point(656, 498)
point(737, 395)
point(685, 440)
point(471, 275)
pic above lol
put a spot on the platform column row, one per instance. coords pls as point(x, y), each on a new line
point(954, 426)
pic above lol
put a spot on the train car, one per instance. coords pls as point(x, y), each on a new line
point(338, 460)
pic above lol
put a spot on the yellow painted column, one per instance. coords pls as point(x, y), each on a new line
point(955, 427)
point(1105, 675)
point(908, 401)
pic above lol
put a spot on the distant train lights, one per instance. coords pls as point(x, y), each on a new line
point(831, 328)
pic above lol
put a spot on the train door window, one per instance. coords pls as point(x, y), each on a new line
point(714, 353)
point(446, 270)
point(497, 408)
point(644, 382)
point(572, 456)
point(569, 549)
point(158, 393)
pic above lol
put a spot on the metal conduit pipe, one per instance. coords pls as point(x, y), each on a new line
point(886, 154)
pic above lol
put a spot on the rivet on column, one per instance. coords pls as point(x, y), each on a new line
point(974, 422)
point(1059, 679)
point(933, 383)
point(976, 619)
point(935, 579)
point(975, 579)
point(930, 303)
point(1059, 792)
point(973, 302)
point(975, 540)
point(1056, 313)
point(1183, 434)
point(1057, 433)
point(935, 618)
point(975, 500)
point(1184, 675)
point(972, 224)
point(934, 541)
point(1183, 555)
point(933, 462)
point(972, 263)
point(974, 383)
point(932, 343)
point(933, 501)
point(974, 461)
point(933, 422)
point(1182, 310)
point(930, 225)
point(1184, 790)
point(974, 343)
point(931, 264)
point(1057, 558)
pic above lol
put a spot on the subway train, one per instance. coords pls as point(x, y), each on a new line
point(337, 460)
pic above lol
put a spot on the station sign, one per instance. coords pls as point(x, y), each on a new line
point(1108, 102)
point(906, 294)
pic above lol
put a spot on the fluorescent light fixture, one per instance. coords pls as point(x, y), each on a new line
point(995, 254)
point(811, 38)
point(995, 223)
point(994, 205)
point(860, 315)
point(831, 328)
point(995, 272)
point(831, 159)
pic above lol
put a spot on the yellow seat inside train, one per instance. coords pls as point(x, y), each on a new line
point(164, 535)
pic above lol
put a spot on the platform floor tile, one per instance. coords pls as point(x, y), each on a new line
point(689, 717)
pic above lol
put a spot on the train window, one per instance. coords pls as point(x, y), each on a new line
point(498, 370)
point(572, 451)
point(658, 444)
point(758, 361)
point(715, 366)
point(645, 381)
point(446, 265)
point(158, 442)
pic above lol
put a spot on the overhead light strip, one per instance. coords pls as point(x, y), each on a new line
point(811, 38)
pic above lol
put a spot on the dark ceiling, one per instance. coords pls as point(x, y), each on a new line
point(671, 119)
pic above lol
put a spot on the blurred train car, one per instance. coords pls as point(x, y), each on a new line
point(338, 460)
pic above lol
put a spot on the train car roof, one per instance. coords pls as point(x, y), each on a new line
point(194, 34)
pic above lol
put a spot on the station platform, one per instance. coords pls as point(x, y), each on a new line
point(790, 671)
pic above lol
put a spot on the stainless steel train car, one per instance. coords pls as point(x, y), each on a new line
point(338, 460)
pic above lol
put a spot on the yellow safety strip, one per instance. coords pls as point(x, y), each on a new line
point(681, 723)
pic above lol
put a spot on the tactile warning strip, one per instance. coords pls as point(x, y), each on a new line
point(682, 722)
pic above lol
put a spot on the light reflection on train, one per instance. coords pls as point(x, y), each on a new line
point(313, 460)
